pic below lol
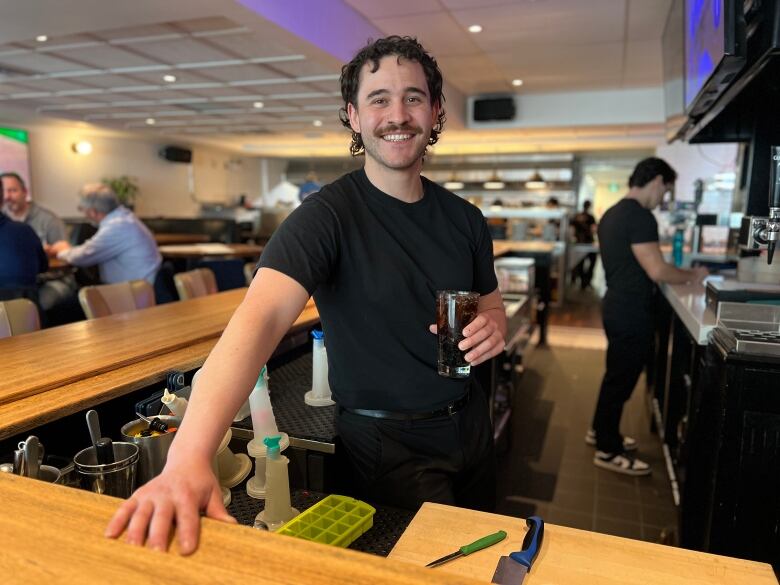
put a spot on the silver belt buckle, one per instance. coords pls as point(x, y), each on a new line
point(451, 409)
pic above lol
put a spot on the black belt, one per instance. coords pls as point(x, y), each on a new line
point(448, 410)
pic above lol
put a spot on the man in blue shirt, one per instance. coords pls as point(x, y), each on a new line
point(123, 248)
point(21, 254)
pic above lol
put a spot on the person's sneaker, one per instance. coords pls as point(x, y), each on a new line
point(621, 463)
point(629, 444)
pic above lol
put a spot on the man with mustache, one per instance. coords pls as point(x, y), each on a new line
point(372, 248)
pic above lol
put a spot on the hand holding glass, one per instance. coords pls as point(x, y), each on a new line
point(454, 310)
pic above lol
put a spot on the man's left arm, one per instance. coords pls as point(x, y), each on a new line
point(486, 334)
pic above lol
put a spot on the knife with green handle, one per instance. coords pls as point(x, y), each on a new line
point(511, 570)
point(463, 551)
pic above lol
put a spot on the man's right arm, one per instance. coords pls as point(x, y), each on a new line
point(648, 254)
point(187, 485)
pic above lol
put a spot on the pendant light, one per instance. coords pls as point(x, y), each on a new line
point(494, 183)
point(536, 181)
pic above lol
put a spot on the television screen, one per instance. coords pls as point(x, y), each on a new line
point(673, 60)
point(713, 39)
point(14, 153)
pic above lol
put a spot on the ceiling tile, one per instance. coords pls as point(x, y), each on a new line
point(561, 20)
point(105, 57)
point(37, 63)
point(646, 20)
point(643, 63)
point(249, 45)
point(302, 68)
point(184, 50)
point(240, 72)
point(438, 33)
point(383, 8)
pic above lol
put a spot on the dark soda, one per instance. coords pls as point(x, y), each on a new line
point(454, 310)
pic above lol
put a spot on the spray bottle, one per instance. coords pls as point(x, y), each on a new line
point(277, 509)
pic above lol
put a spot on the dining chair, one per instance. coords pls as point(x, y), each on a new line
point(18, 316)
point(108, 299)
point(195, 283)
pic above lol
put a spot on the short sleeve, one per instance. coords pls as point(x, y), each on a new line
point(642, 227)
point(484, 272)
point(305, 245)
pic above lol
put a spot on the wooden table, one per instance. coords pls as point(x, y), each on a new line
point(54, 372)
point(568, 556)
point(54, 534)
point(211, 250)
point(163, 239)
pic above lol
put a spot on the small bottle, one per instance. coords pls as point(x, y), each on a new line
point(277, 509)
point(263, 421)
point(176, 404)
point(319, 395)
point(677, 247)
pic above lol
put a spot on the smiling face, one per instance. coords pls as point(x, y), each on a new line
point(393, 114)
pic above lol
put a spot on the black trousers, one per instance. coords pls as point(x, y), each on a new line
point(630, 336)
point(447, 460)
point(584, 270)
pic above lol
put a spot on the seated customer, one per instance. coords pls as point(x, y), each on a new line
point(123, 248)
point(18, 205)
point(21, 254)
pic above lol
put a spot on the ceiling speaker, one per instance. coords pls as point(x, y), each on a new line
point(176, 154)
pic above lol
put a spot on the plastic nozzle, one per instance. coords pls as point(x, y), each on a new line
point(272, 446)
point(317, 334)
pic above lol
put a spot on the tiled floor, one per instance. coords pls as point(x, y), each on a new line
point(549, 470)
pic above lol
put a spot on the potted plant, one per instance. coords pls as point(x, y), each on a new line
point(125, 188)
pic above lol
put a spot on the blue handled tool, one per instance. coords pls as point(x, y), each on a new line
point(511, 570)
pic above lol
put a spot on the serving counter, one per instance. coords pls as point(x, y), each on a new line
point(55, 372)
point(55, 534)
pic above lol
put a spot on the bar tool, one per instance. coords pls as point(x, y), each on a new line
point(93, 424)
point(154, 423)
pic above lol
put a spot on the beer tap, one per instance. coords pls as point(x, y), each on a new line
point(764, 232)
point(773, 225)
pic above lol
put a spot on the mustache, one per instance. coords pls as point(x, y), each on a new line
point(396, 129)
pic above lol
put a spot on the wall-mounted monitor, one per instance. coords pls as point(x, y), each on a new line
point(714, 50)
point(14, 152)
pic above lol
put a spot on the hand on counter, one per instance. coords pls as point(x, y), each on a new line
point(484, 338)
point(699, 273)
point(177, 493)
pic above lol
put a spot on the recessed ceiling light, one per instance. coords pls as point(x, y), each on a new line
point(475, 28)
point(517, 82)
point(150, 121)
point(317, 123)
point(41, 38)
point(169, 78)
point(258, 105)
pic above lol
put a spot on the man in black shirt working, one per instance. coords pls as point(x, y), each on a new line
point(373, 248)
point(633, 264)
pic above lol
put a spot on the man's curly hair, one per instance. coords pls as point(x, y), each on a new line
point(406, 47)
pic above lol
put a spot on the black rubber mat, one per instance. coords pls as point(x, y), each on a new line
point(288, 383)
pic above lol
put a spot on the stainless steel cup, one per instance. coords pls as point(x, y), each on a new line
point(153, 450)
point(113, 479)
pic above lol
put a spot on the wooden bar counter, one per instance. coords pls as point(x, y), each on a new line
point(568, 556)
point(51, 373)
point(54, 534)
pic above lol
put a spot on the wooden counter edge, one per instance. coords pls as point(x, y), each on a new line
point(568, 555)
point(29, 412)
point(51, 533)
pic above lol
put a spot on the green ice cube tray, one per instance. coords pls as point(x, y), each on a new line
point(336, 520)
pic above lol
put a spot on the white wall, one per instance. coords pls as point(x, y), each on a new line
point(697, 161)
point(58, 173)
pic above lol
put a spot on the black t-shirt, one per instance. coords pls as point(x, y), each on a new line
point(624, 224)
point(374, 264)
point(583, 230)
